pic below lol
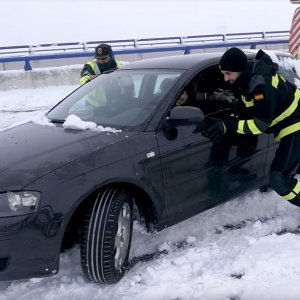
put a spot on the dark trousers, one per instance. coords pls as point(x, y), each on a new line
point(284, 167)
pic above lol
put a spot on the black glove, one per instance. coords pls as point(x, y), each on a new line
point(216, 131)
point(201, 127)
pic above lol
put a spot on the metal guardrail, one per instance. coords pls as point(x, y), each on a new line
point(28, 53)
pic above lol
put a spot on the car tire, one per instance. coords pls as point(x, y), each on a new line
point(106, 239)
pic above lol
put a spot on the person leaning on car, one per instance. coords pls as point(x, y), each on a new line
point(274, 106)
point(104, 60)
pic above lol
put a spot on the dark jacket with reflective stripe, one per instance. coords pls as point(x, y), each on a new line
point(272, 100)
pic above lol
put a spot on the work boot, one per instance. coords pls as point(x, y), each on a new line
point(296, 201)
point(265, 189)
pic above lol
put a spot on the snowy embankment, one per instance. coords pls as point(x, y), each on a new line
point(40, 77)
point(244, 249)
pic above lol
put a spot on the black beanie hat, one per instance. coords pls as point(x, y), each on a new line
point(234, 60)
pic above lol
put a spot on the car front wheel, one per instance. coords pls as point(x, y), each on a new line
point(106, 237)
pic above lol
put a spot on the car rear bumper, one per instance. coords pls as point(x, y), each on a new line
point(28, 247)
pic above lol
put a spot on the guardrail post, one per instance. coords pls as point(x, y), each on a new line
point(27, 66)
point(187, 51)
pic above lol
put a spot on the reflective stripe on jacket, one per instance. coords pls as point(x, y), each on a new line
point(275, 107)
point(91, 68)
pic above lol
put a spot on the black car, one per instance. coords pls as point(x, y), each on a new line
point(142, 157)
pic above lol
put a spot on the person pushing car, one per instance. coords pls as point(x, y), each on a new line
point(273, 104)
point(104, 60)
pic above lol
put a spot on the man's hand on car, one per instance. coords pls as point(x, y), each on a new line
point(216, 131)
point(92, 77)
point(201, 127)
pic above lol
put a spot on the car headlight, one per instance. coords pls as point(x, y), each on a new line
point(18, 203)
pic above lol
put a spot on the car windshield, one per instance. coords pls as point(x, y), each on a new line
point(121, 99)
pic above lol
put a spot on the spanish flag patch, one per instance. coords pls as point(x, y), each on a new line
point(258, 97)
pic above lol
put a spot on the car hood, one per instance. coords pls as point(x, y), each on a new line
point(30, 151)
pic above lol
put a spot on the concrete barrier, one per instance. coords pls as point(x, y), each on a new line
point(43, 75)
point(18, 79)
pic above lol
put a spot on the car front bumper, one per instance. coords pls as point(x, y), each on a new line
point(29, 246)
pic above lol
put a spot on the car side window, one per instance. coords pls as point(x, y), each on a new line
point(164, 82)
point(207, 92)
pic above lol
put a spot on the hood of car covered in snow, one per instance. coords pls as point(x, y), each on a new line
point(30, 151)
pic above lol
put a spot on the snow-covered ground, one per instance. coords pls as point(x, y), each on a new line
point(247, 248)
point(20, 104)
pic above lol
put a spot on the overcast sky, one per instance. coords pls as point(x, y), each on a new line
point(42, 21)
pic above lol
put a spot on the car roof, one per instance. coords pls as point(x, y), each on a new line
point(182, 62)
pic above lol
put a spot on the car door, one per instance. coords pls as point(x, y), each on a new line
point(239, 159)
point(183, 191)
point(234, 165)
point(197, 174)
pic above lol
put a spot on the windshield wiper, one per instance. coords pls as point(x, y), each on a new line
point(57, 121)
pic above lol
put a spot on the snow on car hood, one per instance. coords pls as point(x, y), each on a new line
point(29, 151)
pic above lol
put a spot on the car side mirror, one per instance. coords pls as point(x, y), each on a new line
point(185, 116)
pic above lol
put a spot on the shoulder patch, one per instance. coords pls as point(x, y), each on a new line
point(258, 97)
